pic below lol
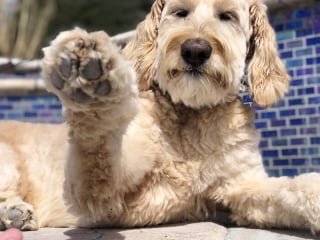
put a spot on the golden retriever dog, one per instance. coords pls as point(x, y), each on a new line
point(155, 133)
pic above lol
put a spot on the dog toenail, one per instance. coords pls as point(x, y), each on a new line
point(65, 67)
point(92, 70)
point(103, 88)
point(14, 214)
point(57, 81)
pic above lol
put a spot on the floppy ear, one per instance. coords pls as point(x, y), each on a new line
point(268, 78)
point(142, 49)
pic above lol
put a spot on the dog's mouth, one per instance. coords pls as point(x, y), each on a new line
point(194, 72)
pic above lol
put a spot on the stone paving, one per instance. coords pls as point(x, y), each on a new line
point(188, 231)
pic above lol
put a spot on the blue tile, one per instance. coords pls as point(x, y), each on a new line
point(278, 122)
point(285, 55)
point(15, 116)
point(287, 112)
point(6, 107)
point(318, 49)
point(55, 106)
point(314, 100)
point(298, 141)
point(2, 116)
point(280, 162)
point(279, 142)
point(269, 134)
point(313, 80)
point(306, 71)
point(315, 161)
point(273, 172)
point(285, 35)
point(311, 61)
point(295, 102)
point(304, 32)
point(291, 93)
point(266, 163)
point(309, 151)
point(247, 99)
point(289, 152)
point(289, 172)
point(14, 99)
point(38, 106)
point(30, 114)
point(314, 120)
point(308, 170)
point(46, 114)
point(264, 144)
point(294, 25)
point(303, 13)
point(268, 115)
point(306, 91)
point(299, 161)
point(278, 28)
point(288, 132)
point(295, 44)
point(315, 140)
point(308, 130)
point(294, 63)
point(307, 111)
point(280, 103)
point(297, 82)
point(270, 153)
point(280, 46)
point(313, 41)
point(260, 125)
point(291, 73)
point(304, 52)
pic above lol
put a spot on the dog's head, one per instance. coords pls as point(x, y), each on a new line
point(198, 50)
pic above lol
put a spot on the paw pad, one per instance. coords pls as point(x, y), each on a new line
point(92, 70)
point(103, 88)
point(17, 217)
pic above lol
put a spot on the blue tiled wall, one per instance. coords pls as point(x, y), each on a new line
point(290, 131)
point(46, 109)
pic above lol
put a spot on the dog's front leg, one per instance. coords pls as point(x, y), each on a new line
point(276, 202)
point(97, 88)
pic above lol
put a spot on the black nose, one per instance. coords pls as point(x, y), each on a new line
point(196, 51)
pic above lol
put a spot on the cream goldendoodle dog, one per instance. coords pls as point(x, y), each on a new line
point(180, 151)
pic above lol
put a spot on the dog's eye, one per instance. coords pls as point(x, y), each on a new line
point(226, 16)
point(181, 13)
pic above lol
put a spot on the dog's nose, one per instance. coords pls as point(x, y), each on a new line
point(196, 51)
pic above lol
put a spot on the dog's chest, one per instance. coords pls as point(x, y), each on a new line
point(197, 135)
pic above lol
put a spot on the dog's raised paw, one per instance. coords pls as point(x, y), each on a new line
point(84, 67)
point(18, 216)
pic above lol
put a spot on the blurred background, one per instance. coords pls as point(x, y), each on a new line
point(290, 130)
point(26, 25)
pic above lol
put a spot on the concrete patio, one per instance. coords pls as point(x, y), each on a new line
point(188, 231)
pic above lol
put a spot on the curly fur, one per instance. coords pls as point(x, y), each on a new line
point(181, 149)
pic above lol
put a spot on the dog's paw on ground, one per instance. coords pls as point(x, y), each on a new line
point(18, 216)
point(86, 68)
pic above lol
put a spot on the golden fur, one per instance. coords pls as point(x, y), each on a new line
point(179, 150)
